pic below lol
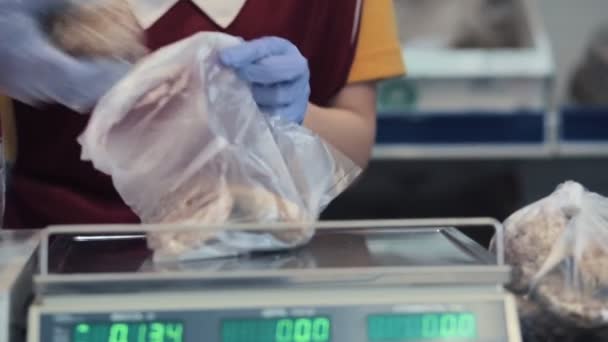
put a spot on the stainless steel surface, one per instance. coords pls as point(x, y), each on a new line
point(405, 251)
point(16, 248)
point(17, 266)
point(113, 232)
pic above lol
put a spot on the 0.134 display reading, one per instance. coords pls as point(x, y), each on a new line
point(129, 332)
point(298, 329)
point(420, 327)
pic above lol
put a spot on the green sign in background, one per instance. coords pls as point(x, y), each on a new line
point(397, 95)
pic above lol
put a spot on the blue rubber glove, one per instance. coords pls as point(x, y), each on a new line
point(277, 72)
point(33, 71)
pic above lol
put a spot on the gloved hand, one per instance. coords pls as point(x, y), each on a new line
point(277, 72)
point(33, 71)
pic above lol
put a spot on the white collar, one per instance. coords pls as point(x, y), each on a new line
point(222, 12)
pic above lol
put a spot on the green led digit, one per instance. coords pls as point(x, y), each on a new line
point(284, 331)
point(82, 333)
point(142, 330)
point(157, 332)
point(321, 329)
point(302, 330)
point(174, 333)
point(119, 333)
point(430, 326)
point(467, 327)
point(448, 326)
point(83, 328)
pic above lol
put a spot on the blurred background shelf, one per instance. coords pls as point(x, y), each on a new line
point(461, 99)
point(584, 125)
point(463, 128)
point(463, 151)
point(587, 150)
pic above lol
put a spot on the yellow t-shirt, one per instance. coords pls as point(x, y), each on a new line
point(378, 54)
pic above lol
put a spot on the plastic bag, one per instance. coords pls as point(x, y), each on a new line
point(185, 143)
point(558, 248)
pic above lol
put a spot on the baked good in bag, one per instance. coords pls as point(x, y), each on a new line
point(557, 248)
point(228, 204)
point(186, 145)
point(98, 28)
point(529, 236)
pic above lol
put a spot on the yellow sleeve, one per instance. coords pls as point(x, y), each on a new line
point(378, 54)
point(9, 137)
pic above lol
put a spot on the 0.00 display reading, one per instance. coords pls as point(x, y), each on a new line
point(300, 329)
point(416, 327)
point(129, 332)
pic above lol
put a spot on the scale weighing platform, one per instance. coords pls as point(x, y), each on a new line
point(17, 266)
point(360, 281)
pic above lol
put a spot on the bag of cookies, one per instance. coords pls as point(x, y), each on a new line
point(186, 144)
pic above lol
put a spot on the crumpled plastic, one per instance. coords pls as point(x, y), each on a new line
point(558, 248)
point(185, 144)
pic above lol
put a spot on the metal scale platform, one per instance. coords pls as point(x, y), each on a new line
point(362, 281)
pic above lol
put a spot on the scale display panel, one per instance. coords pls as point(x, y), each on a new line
point(446, 326)
point(470, 323)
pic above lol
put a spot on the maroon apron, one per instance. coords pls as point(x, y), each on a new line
point(50, 185)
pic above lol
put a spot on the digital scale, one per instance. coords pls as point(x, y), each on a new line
point(17, 266)
point(360, 281)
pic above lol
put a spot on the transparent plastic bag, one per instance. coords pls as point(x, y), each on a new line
point(185, 143)
point(558, 248)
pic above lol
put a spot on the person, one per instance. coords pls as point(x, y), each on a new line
point(312, 62)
